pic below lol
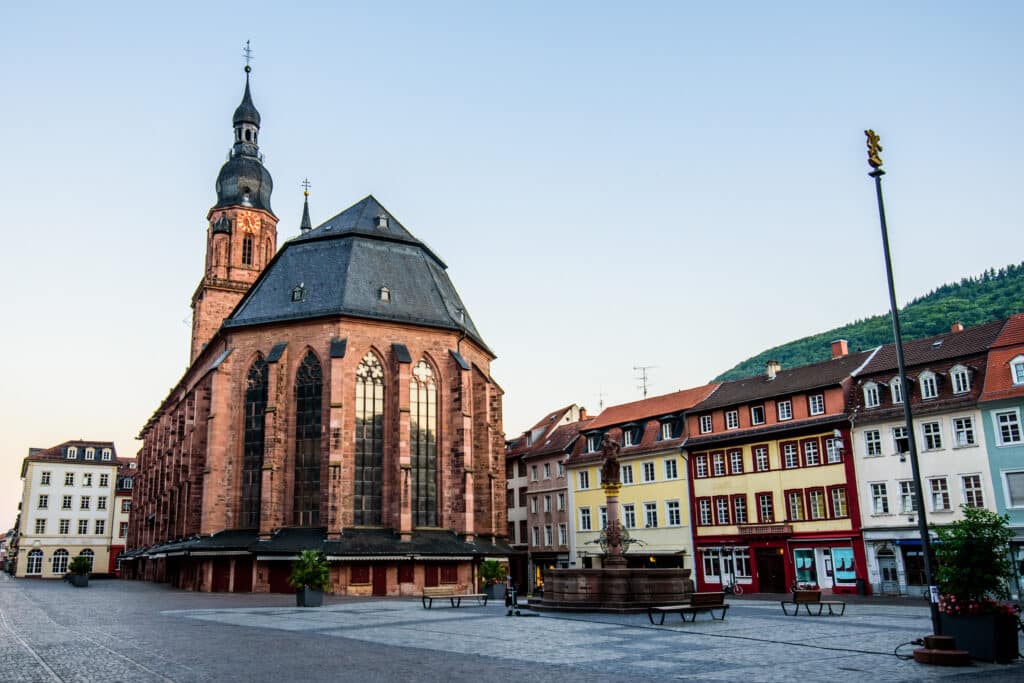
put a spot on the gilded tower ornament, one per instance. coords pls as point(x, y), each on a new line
point(874, 148)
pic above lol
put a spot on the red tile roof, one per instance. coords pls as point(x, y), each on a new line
point(655, 406)
point(1007, 346)
point(560, 439)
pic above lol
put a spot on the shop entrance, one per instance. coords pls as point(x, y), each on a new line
point(771, 571)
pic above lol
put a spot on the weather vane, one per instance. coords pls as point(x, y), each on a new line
point(247, 53)
point(306, 186)
point(874, 148)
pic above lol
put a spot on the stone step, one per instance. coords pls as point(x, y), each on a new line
point(942, 657)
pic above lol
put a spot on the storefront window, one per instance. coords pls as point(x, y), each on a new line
point(806, 572)
point(842, 559)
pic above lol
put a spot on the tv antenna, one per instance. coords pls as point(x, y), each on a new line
point(642, 376)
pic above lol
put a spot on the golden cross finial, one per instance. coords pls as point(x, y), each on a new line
point(306, 186)
point(874, 148)
point(247, 53)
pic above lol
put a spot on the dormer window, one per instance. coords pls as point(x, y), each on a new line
point(757, 415)
point(929, 385)
point(630, 435)
point(593, 443)
point(385, 294)
point(382, 222)
point(961, 379)
point(106, 454)
point(666, 431)
point(705, 424)
point(72, 453)
point(871, 395)
point(1017, 370)
point(785, 410)
point(299, 293)
point(732, 419)
point(90, 453)
point(896, 390)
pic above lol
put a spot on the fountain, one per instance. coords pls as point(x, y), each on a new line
point(614, 587)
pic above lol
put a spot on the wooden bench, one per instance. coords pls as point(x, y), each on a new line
point(810, 598)
point(699, 602)
point(441, 593)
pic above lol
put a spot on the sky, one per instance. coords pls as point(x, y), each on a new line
point(677, 185)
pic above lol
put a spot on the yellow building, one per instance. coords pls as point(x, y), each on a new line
point(653, 501)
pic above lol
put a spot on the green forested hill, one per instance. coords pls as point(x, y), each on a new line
point(992, 295)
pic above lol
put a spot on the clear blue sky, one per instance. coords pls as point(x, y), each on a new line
point(612, 184)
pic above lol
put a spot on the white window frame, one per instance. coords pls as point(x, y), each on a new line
point(896, 390)
point(83, 527)
point(90, 453)
point(1017, 370)
point(735, 456)
point(64, 527)
point(536, 537)
point(816, 404)
point(584, 518)
point(878, 492)
point(583, 480)
point(673, 513)
point(785, 410)
point(43, 502)
point(980, 489)
point(547, 503)
point(929, 384)
point(701, 466)
point(649, 472)
point(732, 419)
point(602, 517)
point(626, 474)
point(1014, 424)
point(704, 508)
point(650, 515)
point(907, 495)
point(533, 473)
point(963, 425)
point(723, 515)
point(44, 479)
point(871, 395)
point(593, 443)
point(101, 502)
point(87, 479)
point(791, 458)
point(757, 415)
point(533, 505)
point(104, 480)
point(666, 431)
point(758, 452)
point(896, 431)
point(630, 436)
point(671, 469)
point(1005, 475)
point(718, 468)
point(938, 488)
point(100, 527)
point(40, 527)
point(812, 453)
point(72, 452)
point(559, 501)
point(705, 424)
point(931, 435)
point(960, 378)
point(629, 515)
point(547, 470)
point(66, 502)
point(548, 535)
point(106, 454)
point(562, 534)
point(69, 478)
point(740, 514)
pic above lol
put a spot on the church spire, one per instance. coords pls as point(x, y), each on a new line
point(306, 225)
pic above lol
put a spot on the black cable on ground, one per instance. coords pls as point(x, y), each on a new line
point(896, 650)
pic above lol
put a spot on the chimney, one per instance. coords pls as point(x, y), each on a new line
point(583, 413)
point(956, 327)
point(839, 348)
point(771, 369)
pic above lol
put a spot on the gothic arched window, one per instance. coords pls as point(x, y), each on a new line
point(423, 444)
point(252, 458)
point(369, 474)
point(308, 413)
point(247, 250)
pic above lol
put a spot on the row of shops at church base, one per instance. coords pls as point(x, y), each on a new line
point(361, 562)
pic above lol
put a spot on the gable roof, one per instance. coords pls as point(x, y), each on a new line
point(972, 340)
point(802, 378)
point(656, 406)
point(341, 267)
point(1007, 346)
point(560, 439)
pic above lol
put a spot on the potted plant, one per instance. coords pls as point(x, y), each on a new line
point(492, 575)
point(309, 578)
point(973, 566)
point(79, 569)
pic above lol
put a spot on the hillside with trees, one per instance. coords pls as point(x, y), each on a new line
point(992, 295)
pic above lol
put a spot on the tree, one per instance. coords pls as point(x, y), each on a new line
point(310, 571)
point(974, 557)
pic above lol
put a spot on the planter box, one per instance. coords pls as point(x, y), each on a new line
point(988, 637)
point(79, 580)
point(495, 591)
point(309, 597)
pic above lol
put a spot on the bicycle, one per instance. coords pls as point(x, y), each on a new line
point(732, 588)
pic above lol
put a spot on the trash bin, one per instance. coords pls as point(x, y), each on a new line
point(862, 587)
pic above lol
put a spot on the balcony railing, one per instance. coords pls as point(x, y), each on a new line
point(781, 529)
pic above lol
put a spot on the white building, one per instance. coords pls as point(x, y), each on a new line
point(67, 508)
point(945, 375)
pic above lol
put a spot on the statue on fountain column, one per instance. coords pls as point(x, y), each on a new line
point(610, 469)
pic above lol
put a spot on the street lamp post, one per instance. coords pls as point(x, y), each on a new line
point(875, 161)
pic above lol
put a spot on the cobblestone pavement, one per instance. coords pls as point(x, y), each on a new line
point(133, 631)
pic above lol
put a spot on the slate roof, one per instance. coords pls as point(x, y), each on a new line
point(1007, 346)
point(972, 340)
point(656, 406)
point(351, 542)
point(342, 265)
point(798, 379)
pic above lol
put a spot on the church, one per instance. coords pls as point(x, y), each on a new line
point(338, 398)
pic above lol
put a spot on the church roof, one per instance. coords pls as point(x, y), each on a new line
point(362, 263)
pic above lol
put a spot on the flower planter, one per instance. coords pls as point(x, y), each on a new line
point(988, 637)
point(79, 580)
point(309, 597)
point(495, 591)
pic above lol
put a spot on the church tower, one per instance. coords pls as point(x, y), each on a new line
point(241, 235)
